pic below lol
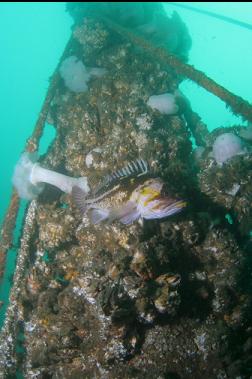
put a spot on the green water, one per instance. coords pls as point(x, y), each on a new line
point(32, 38)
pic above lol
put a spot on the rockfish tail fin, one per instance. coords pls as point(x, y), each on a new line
point(79, 198)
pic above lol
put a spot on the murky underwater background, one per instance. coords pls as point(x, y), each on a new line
point(32, 38)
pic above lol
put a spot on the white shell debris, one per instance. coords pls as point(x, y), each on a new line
point(233, 191)
point(89, 157)
point(144, 122)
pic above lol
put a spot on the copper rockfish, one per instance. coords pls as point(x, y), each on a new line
point(121, 197)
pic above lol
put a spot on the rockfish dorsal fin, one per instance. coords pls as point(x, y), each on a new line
point(135, 168)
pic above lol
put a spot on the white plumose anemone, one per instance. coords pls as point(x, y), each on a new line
point(76, 75)
point(226, 146)
point(165, 103)
point(29, 176)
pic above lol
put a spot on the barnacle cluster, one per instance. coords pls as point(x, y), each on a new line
point(163, 299)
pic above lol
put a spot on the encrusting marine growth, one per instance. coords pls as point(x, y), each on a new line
point(164, 297)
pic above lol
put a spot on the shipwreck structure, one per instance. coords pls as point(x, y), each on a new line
point(159, 299)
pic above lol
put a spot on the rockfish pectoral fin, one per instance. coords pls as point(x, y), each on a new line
point(126, 214)
point(132, 215)
point(163, 208)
